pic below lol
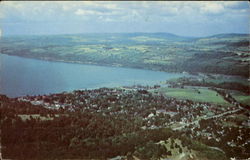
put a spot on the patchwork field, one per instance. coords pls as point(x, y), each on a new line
point(223, 54)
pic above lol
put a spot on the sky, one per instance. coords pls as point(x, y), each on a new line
point(193, 18)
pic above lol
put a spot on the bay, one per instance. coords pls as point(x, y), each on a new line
point(24, 76)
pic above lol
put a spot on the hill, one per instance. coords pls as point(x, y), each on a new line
point(223, 54)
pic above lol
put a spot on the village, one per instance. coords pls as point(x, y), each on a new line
point(225, 128)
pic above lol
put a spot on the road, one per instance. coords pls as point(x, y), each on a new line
point(206, 118)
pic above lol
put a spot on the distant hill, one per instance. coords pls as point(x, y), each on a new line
point(229, 35)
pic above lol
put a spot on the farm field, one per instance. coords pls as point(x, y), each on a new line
point(242, 98)
point(194, 94)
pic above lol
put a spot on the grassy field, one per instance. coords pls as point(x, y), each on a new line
point(244, 99)
point(204, 152)
point(198, 95)
point(240, 97)
point(176, 155)
point(25, 117)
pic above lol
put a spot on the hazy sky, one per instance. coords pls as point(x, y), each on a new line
point(183, 18)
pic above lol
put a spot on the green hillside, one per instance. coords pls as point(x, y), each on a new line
point(223, 54)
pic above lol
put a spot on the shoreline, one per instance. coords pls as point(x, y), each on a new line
point(95, 64)
point(123, 66)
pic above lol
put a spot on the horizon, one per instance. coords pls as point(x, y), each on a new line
point(13, 35)
point(188, 19)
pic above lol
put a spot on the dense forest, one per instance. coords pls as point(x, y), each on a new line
point(73, 134)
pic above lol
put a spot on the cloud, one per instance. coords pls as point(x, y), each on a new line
point(145, 15)
point(213, 8)
point(86, 12)
point(28, 9)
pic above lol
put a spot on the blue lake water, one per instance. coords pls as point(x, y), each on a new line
point(23, 76)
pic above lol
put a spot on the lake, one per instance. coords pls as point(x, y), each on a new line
point(23, 76)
